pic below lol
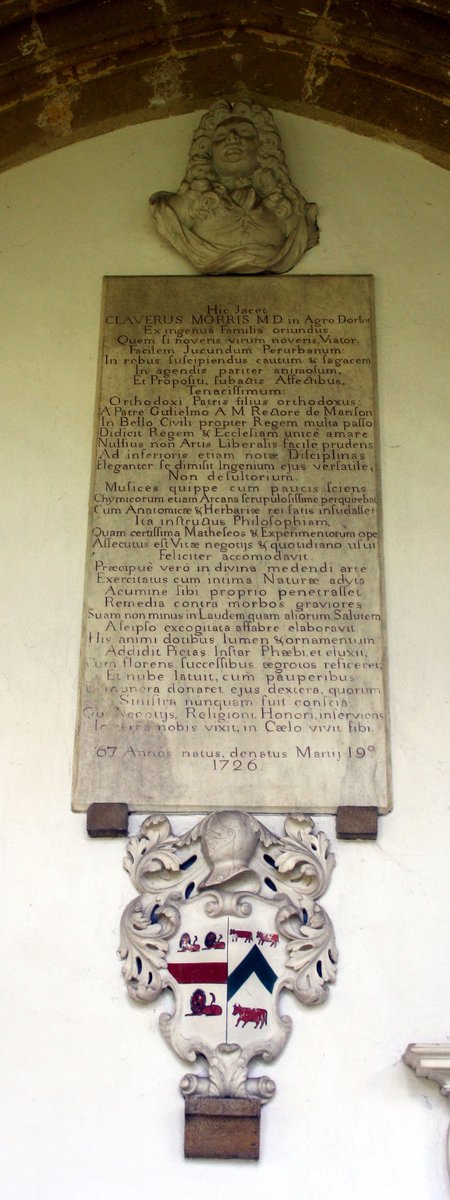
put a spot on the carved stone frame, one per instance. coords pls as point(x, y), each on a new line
point(230, 863)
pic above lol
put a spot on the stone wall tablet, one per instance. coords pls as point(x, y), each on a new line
point(233, 633)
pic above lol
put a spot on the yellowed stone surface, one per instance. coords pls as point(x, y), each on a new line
point(233, 644)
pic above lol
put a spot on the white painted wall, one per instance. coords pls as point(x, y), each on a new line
point(89, 1090)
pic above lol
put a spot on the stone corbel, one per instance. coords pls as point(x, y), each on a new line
point(431, 1061)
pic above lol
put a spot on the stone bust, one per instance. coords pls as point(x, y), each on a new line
point(237, 211)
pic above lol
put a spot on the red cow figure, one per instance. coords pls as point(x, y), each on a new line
point(245, 1015)
point(270, 939)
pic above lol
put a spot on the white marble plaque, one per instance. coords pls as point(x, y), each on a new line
point(233, 635)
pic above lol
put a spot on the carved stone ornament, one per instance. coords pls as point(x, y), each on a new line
point(432, 1061)
point(226, 917)
point(236, 210)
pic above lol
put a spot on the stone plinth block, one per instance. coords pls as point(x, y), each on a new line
point(353, 822)
point(222, 1128)
point(107, 820)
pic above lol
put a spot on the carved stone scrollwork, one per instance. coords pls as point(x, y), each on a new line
point(226, 917)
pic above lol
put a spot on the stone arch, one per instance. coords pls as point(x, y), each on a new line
point(71, 69)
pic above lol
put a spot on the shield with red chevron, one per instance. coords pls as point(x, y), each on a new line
point(227, 968)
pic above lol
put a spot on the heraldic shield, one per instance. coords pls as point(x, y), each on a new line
point(226, 917)
point(228, 968)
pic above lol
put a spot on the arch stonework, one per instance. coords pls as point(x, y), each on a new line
point(71, 69)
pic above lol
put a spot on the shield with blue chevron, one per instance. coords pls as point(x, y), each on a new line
point(227, 968)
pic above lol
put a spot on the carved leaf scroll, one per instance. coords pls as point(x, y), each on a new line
point(312, 953)
point(145, 935)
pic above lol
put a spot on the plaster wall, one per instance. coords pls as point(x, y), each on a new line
point(91, 1109)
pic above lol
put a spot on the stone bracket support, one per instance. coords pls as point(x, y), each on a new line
point(432, 1061)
